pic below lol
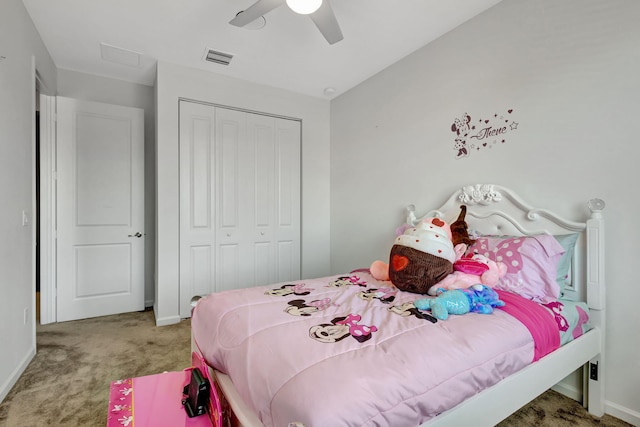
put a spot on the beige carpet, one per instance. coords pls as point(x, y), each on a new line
point(67, 383)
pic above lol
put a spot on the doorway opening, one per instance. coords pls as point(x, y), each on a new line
point(37, 213)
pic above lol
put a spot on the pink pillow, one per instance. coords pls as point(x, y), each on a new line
point(532, 263)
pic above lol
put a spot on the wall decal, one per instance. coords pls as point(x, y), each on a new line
point(474, 134)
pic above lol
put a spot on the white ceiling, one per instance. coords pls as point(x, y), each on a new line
point(289, 52)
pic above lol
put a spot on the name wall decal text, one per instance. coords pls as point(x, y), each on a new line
point(484, 132)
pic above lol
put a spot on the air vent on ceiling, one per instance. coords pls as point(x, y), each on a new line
point(218, 57)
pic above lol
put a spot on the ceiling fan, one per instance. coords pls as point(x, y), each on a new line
point(319, 11)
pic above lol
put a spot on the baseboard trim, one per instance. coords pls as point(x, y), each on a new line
point(15, 375)
point(625, 414)
point(568, 391)
point(165, 321)
point(620, 412)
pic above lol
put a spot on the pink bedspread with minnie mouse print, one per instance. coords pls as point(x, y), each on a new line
point(350, 350)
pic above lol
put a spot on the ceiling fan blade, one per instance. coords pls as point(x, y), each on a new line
point(326, 21)
point(255, 11)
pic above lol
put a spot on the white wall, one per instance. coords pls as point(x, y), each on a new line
point(87, 87)
point(174, 82)
point(19, 43)
point(569, 70)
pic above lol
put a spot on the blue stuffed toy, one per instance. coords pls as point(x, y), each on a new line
point(476, 299)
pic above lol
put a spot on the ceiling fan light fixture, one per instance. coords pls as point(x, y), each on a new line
point(304, 7)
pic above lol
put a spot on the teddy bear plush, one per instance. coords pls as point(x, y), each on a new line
point(476, 299)
point(471, 270)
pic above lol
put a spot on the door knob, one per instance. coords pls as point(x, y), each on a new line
point(137, 234)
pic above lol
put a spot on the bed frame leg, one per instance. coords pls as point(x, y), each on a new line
point(595, 391)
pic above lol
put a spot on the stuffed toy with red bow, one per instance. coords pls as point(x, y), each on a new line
point(470, 270)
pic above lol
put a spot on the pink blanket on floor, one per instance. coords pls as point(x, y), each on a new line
point(537, 319)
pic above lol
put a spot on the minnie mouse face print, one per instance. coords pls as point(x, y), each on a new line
point(299, 307)
point(347, 281)
point(285, 290)
point(385, 295)
point(409, 309)
point(340, 328)
point(329, 332)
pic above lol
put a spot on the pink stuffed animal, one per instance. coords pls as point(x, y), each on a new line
point(380, 270)
point(470, 271)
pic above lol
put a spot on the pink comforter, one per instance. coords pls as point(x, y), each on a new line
point(353, 351)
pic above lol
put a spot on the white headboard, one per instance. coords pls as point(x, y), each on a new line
point(493, 209)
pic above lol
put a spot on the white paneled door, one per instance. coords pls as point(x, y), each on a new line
point(239, 200)
point(100, 209)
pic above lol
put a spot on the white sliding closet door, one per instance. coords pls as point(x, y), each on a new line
point(239, 200)
point(197, 204)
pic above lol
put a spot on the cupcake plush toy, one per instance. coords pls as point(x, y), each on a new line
point(422, 256)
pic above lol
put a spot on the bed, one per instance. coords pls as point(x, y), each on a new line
point(352, 350)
